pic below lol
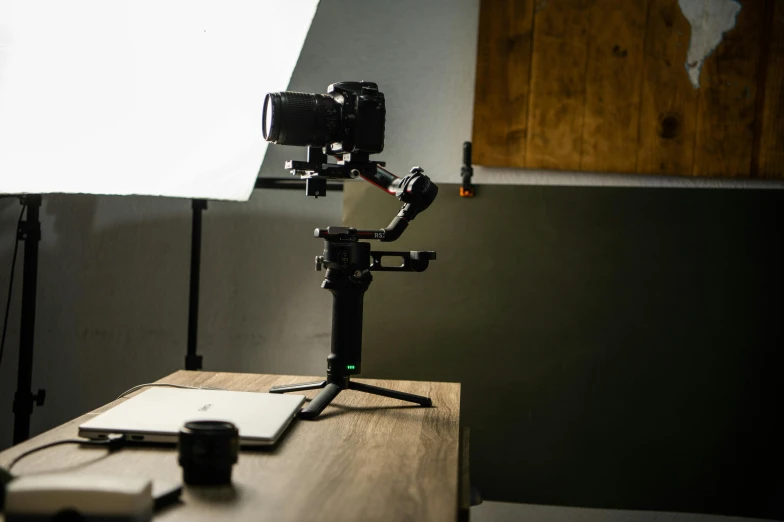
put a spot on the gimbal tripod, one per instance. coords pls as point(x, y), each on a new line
point(349, 263)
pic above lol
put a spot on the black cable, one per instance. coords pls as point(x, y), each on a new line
point(111, 443)
point(11, 283)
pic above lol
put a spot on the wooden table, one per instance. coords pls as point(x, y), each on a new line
point(364, 458)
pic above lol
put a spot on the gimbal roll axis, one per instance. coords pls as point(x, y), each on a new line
point(349, 263)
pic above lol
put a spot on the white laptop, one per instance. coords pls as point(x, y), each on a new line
point(157, 414)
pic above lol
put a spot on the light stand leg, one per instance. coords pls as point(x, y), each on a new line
point(384, 392)
point(29, 232)
point(193, 361)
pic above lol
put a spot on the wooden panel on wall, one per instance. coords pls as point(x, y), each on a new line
point(501, 105)
point(612, 86)
point(668, 100)
point(557, 96)
point(607, 87)
point(769, 160)
point(728, 95)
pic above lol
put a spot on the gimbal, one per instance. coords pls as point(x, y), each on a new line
point(349, 263)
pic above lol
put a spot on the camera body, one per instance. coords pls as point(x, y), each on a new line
point(350, 118)
point(363, 117)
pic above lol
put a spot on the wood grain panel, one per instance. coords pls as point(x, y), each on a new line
point(501, 99)
point(728, 95)
point(601, 85)
point(366, 458)
point(557, 95)
point(612, 85)
point(668, 101)
point(769, 161)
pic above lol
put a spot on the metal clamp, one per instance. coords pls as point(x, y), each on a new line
point(414, 261)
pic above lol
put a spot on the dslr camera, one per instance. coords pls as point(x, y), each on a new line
point(349, 119)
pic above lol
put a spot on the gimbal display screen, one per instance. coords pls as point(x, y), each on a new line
point(141, 97)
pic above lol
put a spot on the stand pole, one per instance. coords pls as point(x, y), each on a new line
point(29, 232)
point(193, 361)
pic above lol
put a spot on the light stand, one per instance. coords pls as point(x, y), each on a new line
point(30, 232)
point(193, 361)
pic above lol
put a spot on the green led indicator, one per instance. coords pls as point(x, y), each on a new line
point(351, 367)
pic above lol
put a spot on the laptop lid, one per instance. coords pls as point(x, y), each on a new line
point(157, 414)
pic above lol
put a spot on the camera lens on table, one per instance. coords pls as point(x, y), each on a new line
point(207, 452)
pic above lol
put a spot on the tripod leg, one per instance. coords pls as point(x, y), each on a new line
point(285, 388)
point(375, 390)
point(320, 402)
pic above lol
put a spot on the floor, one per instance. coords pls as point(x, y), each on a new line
point(509, 512)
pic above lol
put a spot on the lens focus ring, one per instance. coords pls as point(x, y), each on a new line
point(298, 115)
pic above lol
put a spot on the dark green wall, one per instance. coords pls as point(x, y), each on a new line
point(618, 347)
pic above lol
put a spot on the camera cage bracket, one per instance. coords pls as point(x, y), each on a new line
point(316, 169)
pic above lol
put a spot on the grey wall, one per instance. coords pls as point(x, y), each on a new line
point(617, 347)
point(422, 53)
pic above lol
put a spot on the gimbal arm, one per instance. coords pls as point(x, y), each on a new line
point(416, 191)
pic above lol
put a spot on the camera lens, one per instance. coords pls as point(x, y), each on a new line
point(207, 452)
point(298, 118)
point(270, 133)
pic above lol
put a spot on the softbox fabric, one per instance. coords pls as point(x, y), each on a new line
point(141, 97)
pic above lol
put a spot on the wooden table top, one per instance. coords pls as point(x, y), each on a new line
point(364, 458)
